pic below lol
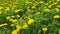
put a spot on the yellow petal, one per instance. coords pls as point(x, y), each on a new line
point(30, 21)
point(14, 32)
point(25, 26)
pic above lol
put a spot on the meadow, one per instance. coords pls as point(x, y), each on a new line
point(29, 16)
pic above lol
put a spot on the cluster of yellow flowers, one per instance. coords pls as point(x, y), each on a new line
point(18, 28)
point(25, 25)
point(9, 18)
point(30, 20)
point(1, 25)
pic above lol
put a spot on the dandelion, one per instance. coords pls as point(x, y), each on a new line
point(14, 20)
point(18, 27)
point(25, 25)
point(30, 21)
point(3, 24)
point(49, 6)
point(50, 1)
point(16, 11)
point(7, 9)
point(57, 9)
point(58, 0)
point(8, 17)
point(14, 32)
point(46, 9)
point(0, 12)
point(37, 12)
point(55, 3)
point(41, 2)
point(12, 25)
point(46, 4)
point(12, 16)
point(33, 7)
point(45, 29)
point(18, 15)
point(59, 31)
point(1, 8)
point(58, 6)
point(56, 16)
point(28, 3)
point(11, 19)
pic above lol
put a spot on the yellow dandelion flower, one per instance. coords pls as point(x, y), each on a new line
point(3, 24)
point(45, 29)
point(7, 9)
point(49, 6)
point(14, 20)
point(18, 27)
point(12, 16)
point(11, 19)
point(46, 4)
point(59, 31)
point(1, 8)
point(0, 12)
point(58, 6)
point(37, 12)
point(17, 10)
point(56, 16)
point(58, 0)
point(14, 32)
point(18, 15)
point(50, 1)
point(8, 17)
point(46, 9)
point(57, 9)
point(12, 25)
point(55, 3)
point(25, 25)
point(33, 7)
point(41, 2)
point(30, 21)
point(28, 3)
